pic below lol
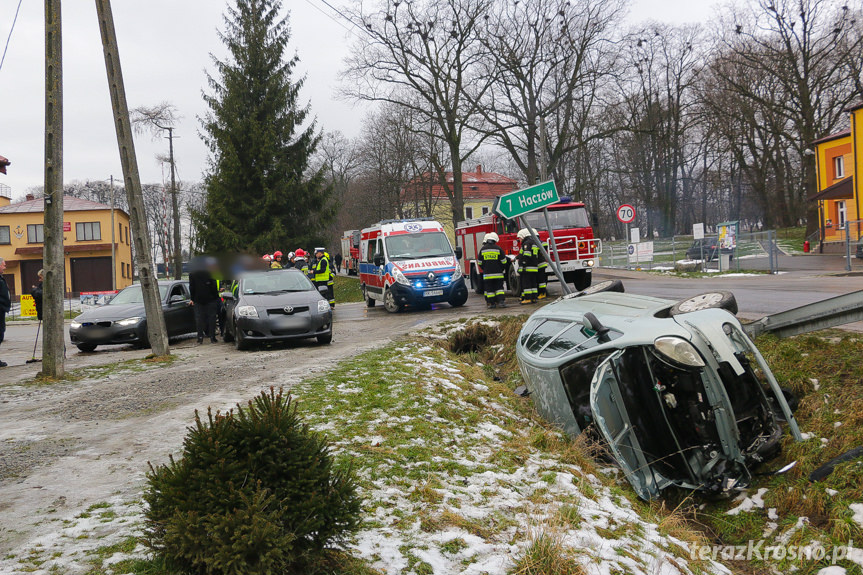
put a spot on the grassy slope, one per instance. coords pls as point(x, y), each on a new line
point(347, 289)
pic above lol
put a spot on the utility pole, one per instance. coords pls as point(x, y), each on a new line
point(156, 331)
point(178, 251)
point(113, 241)
point(53, 264)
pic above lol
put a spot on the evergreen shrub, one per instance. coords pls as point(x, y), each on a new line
point(255, 491)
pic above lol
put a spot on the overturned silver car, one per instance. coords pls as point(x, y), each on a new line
point(676, 390)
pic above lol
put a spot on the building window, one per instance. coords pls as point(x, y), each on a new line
point(841, 213)
point(121, 232)
point(35, 233)
point(5, 238)
point(88, 231)
point(839, 167)
point(468, 213)
point(485, 210)
point(128, 241)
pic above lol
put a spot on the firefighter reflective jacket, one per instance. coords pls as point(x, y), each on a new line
point(492, 260)
point(542, 261)
point(528, 256)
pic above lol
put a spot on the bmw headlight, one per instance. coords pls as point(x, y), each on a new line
point(678, 350)
point(247, 311)
point(74, 325)
point(457, 273)
point(128, 321)
point(400, 277)
point(323, 306)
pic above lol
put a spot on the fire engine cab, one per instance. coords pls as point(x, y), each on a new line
point(351, 251)
point(410, 263)
point(577, 248)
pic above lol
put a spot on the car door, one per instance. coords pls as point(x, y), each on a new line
point(613, 422)
point(176, 312)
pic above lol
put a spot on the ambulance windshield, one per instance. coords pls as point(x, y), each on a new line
point(574, 217)
point(418, 246)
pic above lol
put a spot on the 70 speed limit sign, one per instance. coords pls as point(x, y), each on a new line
point(626, 214)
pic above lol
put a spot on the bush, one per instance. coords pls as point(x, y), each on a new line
point(255, 491)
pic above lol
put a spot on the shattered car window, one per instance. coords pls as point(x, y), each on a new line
point(543, 334)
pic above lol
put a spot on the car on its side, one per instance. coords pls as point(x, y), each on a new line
point(707, 249)
point(275, 305)
point(124, 319)
point(676, 391)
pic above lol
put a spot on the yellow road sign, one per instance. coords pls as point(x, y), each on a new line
point(28, 306)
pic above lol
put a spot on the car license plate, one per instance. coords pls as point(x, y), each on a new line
point(432, 292)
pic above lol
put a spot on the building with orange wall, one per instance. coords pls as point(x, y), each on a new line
point(88, 231)
point(838, 161)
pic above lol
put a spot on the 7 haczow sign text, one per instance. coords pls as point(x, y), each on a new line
point(527, 200)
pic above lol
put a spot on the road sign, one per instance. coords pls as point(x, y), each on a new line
point(634, 235)
point(527, 200)
point(626, 214)
point(640, 252)
point(698, 231)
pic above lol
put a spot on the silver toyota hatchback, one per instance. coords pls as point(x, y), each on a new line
point(677, 391)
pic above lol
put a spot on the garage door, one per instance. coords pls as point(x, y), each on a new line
point(91, 274)
point(29, 274)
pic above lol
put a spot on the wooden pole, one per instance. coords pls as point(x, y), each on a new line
point(175, 206)
point(156, 331)
point(53, 260)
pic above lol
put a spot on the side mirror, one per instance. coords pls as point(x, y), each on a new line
point(592, 323)
point(379, 259)
point(226, 295)
point(177, 299)
point(459, 253)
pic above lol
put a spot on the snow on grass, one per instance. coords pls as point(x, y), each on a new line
point(463, 479)
point(857, 509)
point(749, 503)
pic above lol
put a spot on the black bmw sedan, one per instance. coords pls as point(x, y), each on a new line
point(276, 305)
point(123, 319)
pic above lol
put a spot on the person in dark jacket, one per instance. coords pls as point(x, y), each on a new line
point(528, 267)
point(37, 294)
point(337, 259)
point(5, 304)
point(492, 261)
point(205, 298)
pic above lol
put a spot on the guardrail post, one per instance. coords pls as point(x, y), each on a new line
point(770, 251)
point(847, 245)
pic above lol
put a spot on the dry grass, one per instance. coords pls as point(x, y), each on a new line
point(547, 554)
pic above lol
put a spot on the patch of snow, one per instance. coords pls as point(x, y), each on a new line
point(806, 435)
point(786, 537)
point(771, 514)
point(749, 503)
point(831, 492)
point(832, 570)
point(815, 385)
point(837, 424)
point(857, 508)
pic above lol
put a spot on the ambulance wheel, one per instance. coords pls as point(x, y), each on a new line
point(608, 285)
point(390, 303)
point(459, 300)
point(370, 301)
point(715, 299)
point(475, 281)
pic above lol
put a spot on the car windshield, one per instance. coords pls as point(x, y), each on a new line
point(418, 246)
point(133, 294)
point(575, 217)
point(276, 282)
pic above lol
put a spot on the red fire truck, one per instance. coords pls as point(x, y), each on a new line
point(351, 251)
point(576, 245)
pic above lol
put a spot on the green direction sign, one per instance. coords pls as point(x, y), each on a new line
point(527, 200)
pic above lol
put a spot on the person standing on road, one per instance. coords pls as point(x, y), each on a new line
point(324, 276)
point(528, 262)
point(5, 304)
point(338, 261)
point(300, 261)
point(205, 299)
point(542, 274)
point(37, 294)
point(492, 261)
point(289, 263)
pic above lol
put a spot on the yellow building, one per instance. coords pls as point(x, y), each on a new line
point(838, 159)
point(88, 230)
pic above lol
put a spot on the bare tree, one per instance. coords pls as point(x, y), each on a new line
point(156, 120)
point(425, 56)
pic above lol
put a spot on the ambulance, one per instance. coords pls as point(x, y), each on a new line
point(410, 263)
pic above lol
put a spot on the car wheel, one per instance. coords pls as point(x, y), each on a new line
point(475, 281)
point(715, 299)
point(370, 301)
point(607, 285)
point(87, 347)
point(326, 337)
point(390, 302)
point(459, 300)
point(240, 342)
point(228, 336)
point(583, 279)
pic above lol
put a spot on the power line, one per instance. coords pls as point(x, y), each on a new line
point(319, 9)
point(9, 37)
point(342, 14)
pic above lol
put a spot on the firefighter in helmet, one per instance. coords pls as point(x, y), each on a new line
point(492, 261)
point(324, 276)
point(277, 261)
point(528, 262)
point(300, 262)
point(542, 274)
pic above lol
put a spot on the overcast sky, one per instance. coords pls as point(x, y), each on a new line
point(164, 49)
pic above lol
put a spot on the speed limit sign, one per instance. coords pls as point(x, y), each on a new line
point(626, 213)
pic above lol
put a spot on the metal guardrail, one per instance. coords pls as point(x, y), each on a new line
point(823, 314)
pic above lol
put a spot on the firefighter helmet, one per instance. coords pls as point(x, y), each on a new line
point(300, 253)
point(277, 255)
point(523, 233)
point(491, 237)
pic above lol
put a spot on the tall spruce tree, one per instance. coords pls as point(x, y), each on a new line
point(261, 194)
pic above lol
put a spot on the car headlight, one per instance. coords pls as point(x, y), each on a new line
point(128, 321)
point(74, 325)
point(247, 311)
point(678, 350)
point(457, 273)
point(323, 306)
point(400, 277)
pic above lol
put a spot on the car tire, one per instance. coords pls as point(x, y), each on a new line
point(240, 342)
point(370, 301)
point(709, 300)
point(87, 347)
point(390, 303)
point(607, 285)
point(582, 280)
point(475, 281)
point(325, 337)
point(459, 300)
point(228, 336)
